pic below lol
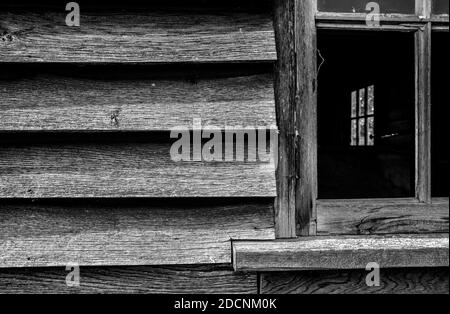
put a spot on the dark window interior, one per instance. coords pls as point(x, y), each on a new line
point(359, 6)
point(440, 7)
point(440, 114)
point(354, 61)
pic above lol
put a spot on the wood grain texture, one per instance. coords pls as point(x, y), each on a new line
point(423, 110)
point(117, 170)
point(365, 217)
point(116, 234)
point(59, 103)
point(342, 253)
point(286, 173)
point(144, 36)
point(393, 281)
point(127, 280)
point(295, 90)
point(306, 118)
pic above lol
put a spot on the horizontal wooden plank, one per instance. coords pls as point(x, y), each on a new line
point(112, 280)
point(384, 17)
point(342, 253)
point(124, 169)
point(365, 27)
point(354, 217)
point(144, 36)
point(60, 103)
point(392, 281)
point(119, 234)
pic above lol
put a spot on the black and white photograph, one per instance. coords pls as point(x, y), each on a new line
point(224, 155)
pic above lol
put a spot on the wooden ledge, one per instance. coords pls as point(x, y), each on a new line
point(315, 253)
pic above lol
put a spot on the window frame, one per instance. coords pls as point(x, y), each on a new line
point(302, 215)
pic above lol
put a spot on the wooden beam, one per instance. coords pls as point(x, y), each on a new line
point(423, 105)
point(295, 88)
point(394, 216)
point(342, 253)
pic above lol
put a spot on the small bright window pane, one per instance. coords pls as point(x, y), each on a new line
point(354, 105)
point(370, 100)
point(362, 132)
point(370, 131)
point(362, 102)
point(354, 132)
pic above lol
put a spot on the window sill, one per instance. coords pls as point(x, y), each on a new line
point(320, 253)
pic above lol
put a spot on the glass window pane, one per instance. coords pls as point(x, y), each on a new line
point(370, 100)
point(354, 104)
point(371, 131)
point(362, 102)
point(440, 7)
point(359, 6)
point(362, 132)
point(354, 132)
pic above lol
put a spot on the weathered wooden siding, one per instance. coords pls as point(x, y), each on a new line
point(86, 174)
point(220, 279)
point(208, 279)
point(146, 36)
point(87, 170)
point(396, 281)
point(119, 233)
point(64, 102)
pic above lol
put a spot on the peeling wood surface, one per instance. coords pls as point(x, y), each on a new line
point(393, 281)
point(117, 170)
point(178, 279)
point(119, 234)
point(365, 217)
point(55, 103)
point(342, 253)
point(144, 36)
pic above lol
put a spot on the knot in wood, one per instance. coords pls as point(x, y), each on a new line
point(6, 37)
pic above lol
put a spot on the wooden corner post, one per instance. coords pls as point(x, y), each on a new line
point(296, 102)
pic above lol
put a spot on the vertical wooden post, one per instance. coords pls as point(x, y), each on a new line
point(296, 97)
point(423, 104)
